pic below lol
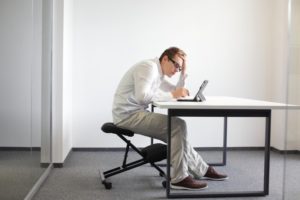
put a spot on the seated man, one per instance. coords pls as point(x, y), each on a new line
point(144, 83)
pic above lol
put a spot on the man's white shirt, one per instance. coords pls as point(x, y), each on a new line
point(142, 84)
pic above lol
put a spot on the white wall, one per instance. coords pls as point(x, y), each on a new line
point(240, 44)
point(279, 70)
point(62, 79)
point(46, 73)
point(20, 73)
point(36, 78)
point(293, 128)
point(286, 76)
point(67, 76)
point(229, 42)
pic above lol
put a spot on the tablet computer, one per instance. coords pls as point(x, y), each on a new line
point(199, 95)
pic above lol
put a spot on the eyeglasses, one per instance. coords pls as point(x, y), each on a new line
point(176, 65)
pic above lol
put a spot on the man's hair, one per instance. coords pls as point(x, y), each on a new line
point(171, 52)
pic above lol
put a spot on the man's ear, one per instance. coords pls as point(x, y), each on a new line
point(165, 58)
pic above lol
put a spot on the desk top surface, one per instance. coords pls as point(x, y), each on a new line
point(221, 102)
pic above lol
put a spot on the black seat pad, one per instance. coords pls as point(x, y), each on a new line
point(155, 152)
point(111, 128)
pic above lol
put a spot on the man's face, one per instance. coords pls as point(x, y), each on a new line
point(173, 65)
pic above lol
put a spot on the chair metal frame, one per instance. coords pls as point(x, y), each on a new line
point(127, 166)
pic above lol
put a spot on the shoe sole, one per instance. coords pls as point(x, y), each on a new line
point(214, 179)
point(186, 188)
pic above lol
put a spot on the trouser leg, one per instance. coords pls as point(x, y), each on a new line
point(196, 165)
point(183, 156)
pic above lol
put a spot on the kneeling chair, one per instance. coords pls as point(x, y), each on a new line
point(150, 154)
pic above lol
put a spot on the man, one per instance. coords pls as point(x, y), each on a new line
point(141, 85)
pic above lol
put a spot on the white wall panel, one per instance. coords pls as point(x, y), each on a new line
point(228, 42)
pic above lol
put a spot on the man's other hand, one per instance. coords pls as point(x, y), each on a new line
point(180, 92)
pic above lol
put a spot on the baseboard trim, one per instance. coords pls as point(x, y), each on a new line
point(20, 148)
point(285, 151)
point(196, 148)
point(104, 149)
point(44, 165)
point(58, 165)
point(100, 149)
point(229, 148)
point(123, 148)
point(61, 165)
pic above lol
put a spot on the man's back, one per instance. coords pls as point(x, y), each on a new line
point(130, 96)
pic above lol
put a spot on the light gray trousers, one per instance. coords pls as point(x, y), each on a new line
point(184, 159)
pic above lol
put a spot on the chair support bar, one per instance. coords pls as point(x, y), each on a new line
point(149, 155)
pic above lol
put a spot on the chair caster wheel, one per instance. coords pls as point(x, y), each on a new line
point(164, 184)
point(161, 174)
point(107, 185)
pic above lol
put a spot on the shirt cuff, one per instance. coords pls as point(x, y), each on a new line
point(164, 96)
point(181, 81)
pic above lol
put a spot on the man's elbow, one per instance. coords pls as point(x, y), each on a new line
point(140, 100)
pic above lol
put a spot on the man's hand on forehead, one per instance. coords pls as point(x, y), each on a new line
point(182, 56)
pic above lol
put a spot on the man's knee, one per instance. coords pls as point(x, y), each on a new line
point(180, 125)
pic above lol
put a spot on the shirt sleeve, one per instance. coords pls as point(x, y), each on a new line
point(162, 96)
point(168, 87)
point(164, 92)
point(145, 90)
point(144, 77)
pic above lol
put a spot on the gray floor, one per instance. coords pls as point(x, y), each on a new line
point(79, 178)
point(19, 170)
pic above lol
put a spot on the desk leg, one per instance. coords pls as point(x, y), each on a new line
point(225, 142)
point(168, 155)
point(223, 163)
point(238, 113)
point(267, 153)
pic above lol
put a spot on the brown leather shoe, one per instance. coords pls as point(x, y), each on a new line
point(189, 184)
point(212, 174)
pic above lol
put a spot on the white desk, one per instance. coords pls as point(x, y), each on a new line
point(223, 107)
point(225, 103)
